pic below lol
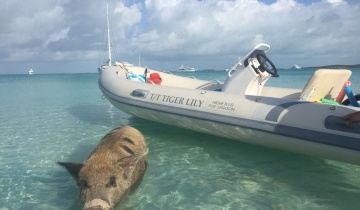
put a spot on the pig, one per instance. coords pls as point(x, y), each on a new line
point(114, 169)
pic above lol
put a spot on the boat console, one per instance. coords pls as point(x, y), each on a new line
point(250, 73)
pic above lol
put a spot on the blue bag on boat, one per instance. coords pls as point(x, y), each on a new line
point(135, 77)
point(351, 96)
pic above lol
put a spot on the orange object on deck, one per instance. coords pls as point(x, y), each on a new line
point(342, 93)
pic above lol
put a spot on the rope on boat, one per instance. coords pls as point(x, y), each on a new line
point(123, 66)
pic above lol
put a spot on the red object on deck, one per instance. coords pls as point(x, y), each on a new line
point(154, 79)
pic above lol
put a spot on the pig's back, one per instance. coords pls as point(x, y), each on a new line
point(118, 143)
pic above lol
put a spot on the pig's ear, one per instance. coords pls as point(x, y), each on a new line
point(128, 163)
point(72, 168)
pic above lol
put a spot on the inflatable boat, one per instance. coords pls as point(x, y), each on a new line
point(242, 108)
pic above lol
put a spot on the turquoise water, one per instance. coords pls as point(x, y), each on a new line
point(45, 118)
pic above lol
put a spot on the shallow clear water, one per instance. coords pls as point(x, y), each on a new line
point(45, 118)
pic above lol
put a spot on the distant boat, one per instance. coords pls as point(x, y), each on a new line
point(31, 71)
point(295, 67)
point(182, 68)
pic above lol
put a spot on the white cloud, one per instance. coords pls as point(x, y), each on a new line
point(335, 1)
point(283, 5)
point(232, 27)
point(127, 16)
point(56, 36)
point(23, 29)
point(176, 30)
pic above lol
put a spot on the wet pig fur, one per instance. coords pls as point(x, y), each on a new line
point(115, 167)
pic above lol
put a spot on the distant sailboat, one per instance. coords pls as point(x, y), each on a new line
point(31, 71)
point(109, 62)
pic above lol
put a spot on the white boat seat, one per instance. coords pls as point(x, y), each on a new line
point(325, 83)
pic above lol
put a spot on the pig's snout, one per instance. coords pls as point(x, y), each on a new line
point(95, 208)
point(97, 204)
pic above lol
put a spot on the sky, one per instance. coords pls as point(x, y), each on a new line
point(69, 36)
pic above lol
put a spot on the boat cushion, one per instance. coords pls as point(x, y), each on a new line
point(325, 83)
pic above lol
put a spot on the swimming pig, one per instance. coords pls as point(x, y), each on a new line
point(115, 167)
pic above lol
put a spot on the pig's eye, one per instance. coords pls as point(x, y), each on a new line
point(111, 183)
point(84, 184)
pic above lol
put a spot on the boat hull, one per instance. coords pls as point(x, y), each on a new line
point(257, 120)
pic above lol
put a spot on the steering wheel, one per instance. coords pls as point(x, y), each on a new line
point(265, 63)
